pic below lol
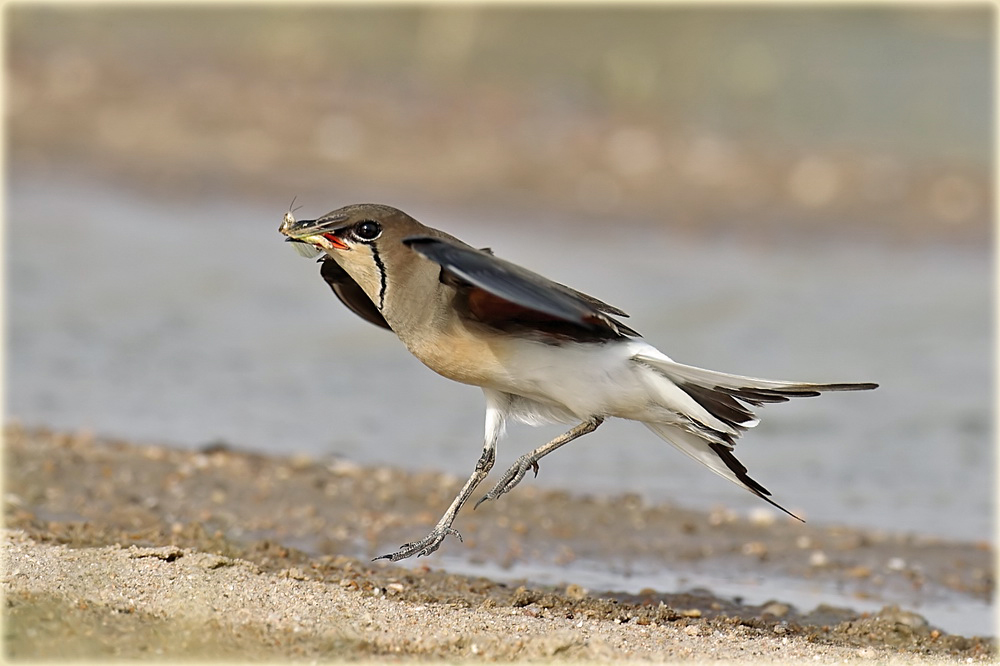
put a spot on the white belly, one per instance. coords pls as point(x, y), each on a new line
point(583, 380)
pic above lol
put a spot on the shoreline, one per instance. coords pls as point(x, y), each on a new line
point(142, 545)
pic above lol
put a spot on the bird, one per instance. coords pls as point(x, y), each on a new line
point(541, 351)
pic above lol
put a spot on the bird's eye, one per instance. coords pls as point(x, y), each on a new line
point(367, 230)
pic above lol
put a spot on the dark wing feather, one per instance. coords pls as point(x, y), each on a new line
point(349, 293)
point(520, 288)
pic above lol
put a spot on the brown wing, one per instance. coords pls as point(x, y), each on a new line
point(507, 296)
point(349, 293)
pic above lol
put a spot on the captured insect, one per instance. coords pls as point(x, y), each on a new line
point(307, 250)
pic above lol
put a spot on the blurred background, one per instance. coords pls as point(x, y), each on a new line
point(696, 118)
point(788, 192)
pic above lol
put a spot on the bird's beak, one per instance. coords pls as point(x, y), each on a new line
point(336, 242)
point(299, 229)
point(321, 233)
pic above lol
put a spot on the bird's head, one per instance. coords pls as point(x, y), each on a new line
point(365, 240)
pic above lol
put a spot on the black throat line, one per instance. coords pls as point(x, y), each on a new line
point(381, 273)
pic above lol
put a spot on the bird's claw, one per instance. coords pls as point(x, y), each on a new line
point(425, 546)
point(510, 478)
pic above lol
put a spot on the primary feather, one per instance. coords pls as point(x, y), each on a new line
point(518, 286)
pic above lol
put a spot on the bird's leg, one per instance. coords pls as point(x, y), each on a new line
point(432, 541)
point(516, 472)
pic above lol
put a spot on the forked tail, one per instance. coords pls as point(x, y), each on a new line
point(715, 408)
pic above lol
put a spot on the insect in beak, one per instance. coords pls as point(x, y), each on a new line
point(306, 236)
point(303, 249)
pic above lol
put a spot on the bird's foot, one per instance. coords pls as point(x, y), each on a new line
point(425, 546)
point(511, 478)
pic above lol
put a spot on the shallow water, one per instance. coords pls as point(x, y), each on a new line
point(946, 610)
point(189, 322)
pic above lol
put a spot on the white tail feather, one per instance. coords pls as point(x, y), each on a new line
point(713, 379)
point(721, 413)
point(692, 445)
point(702, 451)
point(670, 397)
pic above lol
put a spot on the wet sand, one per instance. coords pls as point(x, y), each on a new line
point(128, 550)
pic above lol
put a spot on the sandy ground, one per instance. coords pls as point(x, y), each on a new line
point(115, 549)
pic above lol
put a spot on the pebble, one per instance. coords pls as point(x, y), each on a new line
point(762, 516)
point(818, 559)
point(904, 617)
point(775, 608)
point(755, 548)
point(721, 516)
point(859, 572)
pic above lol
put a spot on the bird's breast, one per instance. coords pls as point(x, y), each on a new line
point(461, 355)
